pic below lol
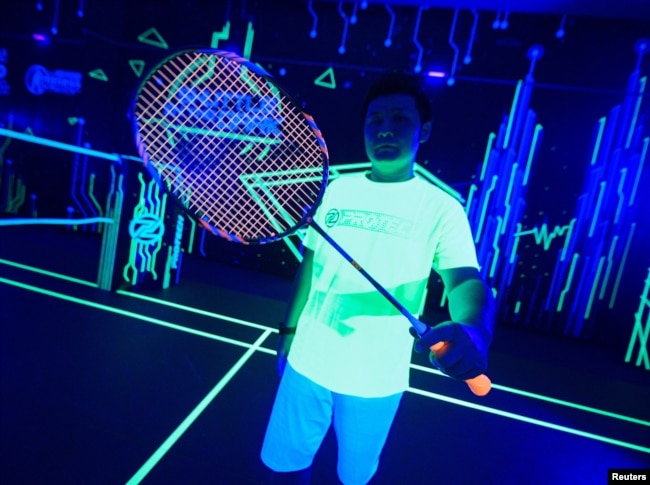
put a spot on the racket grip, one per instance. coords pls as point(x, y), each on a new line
point(479, 385)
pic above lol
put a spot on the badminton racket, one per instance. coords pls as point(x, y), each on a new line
point(238, 153)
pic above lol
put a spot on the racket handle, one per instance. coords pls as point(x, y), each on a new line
point(479, 385)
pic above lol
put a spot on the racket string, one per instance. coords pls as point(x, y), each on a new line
point(212, 170)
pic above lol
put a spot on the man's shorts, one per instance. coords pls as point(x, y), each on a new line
point(302, 414)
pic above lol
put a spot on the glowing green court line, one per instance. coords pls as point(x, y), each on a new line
point(540, 397)
point(263, 327)
point(256, 347)
point(126, 313)
point(186, 308)
point(538, 422)
point(196, 412)
point(48, 273)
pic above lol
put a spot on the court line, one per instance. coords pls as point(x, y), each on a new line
point(429, 370)
point(196, 412)
point(126, 313)
point(268, 351)
point(538, 422)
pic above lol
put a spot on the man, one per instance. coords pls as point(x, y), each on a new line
point(350, 348)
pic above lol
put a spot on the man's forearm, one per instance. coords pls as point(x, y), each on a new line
point(471, 302)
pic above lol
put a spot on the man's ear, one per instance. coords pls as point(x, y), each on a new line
point(425, 131)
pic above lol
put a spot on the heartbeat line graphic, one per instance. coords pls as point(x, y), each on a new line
point(542, 234)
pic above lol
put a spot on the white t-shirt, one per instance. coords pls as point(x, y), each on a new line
point(349, 338)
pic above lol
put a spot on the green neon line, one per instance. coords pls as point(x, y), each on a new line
point(248, 45)
point(216, 133)
point(551, 400)
point(639, 170)
point(222, 35)
point(264, 350)
point(260, 184)
point(292, 247)
point(515, 245)
point(531, 152)
point(599, 139)
point(637, 108)
point(186, 308)
point(610, 264)
point(525, 419)
point(508, 205)
point(54, 221)
point(594, 285)
point(560, 303)
point(190, 244)
point(621, 266)
point(567, 239)
point(264, 153)
point(599, 202)
point(91, 189)
point(126, 313)
point(486, 157)
point(517, 307)
point(638, 331)
point(317, 171)
point(470, 198)
point(484, 209)
point(62, 146)
point(280, 182)
point(48, 273)
point(511, 116)
point(196, 412)
point(495, 246)
point(247, 149)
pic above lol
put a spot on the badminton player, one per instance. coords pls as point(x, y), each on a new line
point(344, 351)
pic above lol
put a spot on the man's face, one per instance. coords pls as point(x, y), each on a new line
point(393, 134)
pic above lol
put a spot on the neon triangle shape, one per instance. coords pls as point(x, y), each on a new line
point(326, 80)
point(152, 37)
point(98, 74)
point(137, 66)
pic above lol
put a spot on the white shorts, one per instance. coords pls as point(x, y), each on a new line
point(302, 414)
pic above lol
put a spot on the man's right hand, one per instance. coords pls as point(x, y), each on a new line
point(284, 345)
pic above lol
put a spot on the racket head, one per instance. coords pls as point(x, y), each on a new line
point(230, 145)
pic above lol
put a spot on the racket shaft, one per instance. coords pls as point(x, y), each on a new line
point(479, 385)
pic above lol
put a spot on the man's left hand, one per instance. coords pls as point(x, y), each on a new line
point(464, 354)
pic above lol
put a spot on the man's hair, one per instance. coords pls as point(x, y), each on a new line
point(398, 82)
